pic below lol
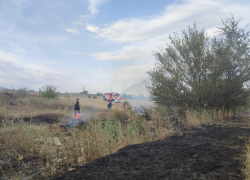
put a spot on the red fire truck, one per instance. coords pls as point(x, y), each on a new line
point(112, 97)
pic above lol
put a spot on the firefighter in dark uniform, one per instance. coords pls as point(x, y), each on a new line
point(77, 107)
point(110, 105)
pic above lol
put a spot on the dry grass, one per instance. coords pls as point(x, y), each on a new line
point(246, 169)
point(104, 132)
point(34, 106)
point(194, 118)
point(84, 144)
point(101, 135)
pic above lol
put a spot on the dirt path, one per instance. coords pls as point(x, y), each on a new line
point(208, 152)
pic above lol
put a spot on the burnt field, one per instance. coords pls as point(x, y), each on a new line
point(41, 139)
point(205, 152)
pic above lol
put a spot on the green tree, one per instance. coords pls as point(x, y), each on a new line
point(196, 71)
point(49, 91)
point(231, 51)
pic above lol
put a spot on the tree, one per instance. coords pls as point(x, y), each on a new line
point(231, 49)
point(196, 71)
point(84, 92)
point(180, 72)
point(99, 94)
point(49, 91)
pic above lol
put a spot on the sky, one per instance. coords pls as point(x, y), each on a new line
point(97, 44)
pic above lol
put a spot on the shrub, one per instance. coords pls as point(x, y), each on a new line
point(22, 92)
point(49, 91)
point(94, 96)
point(89, 96)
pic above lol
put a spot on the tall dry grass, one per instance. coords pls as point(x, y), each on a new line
point(194, 118)
point(246, 168)
point(79, 145)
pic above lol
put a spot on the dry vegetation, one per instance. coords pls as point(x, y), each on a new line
point(35, 150)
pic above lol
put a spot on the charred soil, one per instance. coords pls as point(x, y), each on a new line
point(205, 152)
point(43, 118)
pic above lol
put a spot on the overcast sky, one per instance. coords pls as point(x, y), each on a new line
point(96, 44)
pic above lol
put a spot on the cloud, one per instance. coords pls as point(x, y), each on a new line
point(142, 36)
point(32, 78)
point(16, 60)
point(140, 52)
point(92, 28)
point(72, 31)
point(82, 20)
point(19, 73)
point(126, 53)
point(132, 73)
point(84, 17)
point(7, 57)
point(92, 7)
point(77, 23)
point(128, 77)
point(175, 18)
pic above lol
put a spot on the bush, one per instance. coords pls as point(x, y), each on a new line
point(94, 96)
point(49, 91)
point(22, 92)
point(89, 96)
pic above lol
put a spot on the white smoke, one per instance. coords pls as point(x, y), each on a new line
point(84, 117)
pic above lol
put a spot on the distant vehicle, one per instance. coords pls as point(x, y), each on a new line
point(112, 97)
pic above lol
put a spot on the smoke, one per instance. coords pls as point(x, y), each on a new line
point(132, 87)
point(139, 89)
point(83, 119)
point(126, 90)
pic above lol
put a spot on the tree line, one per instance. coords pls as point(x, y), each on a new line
point(133, 97)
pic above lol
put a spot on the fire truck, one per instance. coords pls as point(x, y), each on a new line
point(112, 97)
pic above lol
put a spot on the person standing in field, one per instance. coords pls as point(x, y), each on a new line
point(77, 107)
point(110, 105)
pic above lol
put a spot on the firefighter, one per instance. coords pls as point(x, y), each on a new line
point(110, 105)
point(77, 107)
